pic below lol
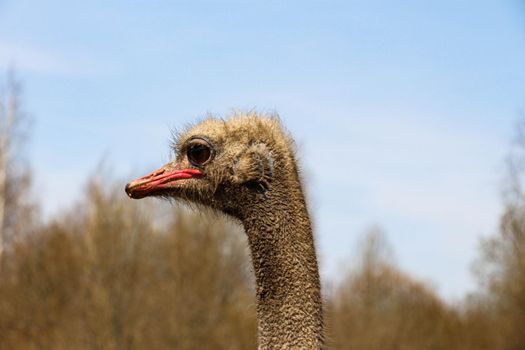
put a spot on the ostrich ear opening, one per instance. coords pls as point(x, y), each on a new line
point(254, 168)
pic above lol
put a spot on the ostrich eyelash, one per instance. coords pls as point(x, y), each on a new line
point(176, 136)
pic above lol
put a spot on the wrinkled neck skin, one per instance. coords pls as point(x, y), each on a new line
point(285, 265)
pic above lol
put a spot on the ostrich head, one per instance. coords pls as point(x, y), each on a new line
point(245, 167)
point(227, 165)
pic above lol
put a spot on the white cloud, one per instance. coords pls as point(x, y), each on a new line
point(43, 60)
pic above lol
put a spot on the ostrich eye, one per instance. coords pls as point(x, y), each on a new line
point(199, 153)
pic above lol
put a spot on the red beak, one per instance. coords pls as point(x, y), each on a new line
point(158, 180)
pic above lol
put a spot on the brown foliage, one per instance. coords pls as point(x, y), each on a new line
point(379, 307)
point(502, 273)
point(110, 277)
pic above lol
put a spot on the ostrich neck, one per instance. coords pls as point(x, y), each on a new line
point(287, 277)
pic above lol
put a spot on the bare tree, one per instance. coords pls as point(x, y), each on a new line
point(15, 207)
point(501, 267)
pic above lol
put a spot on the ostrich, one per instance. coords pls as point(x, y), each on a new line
point(245, 167)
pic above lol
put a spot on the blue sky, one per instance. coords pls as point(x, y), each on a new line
point(403, 111)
